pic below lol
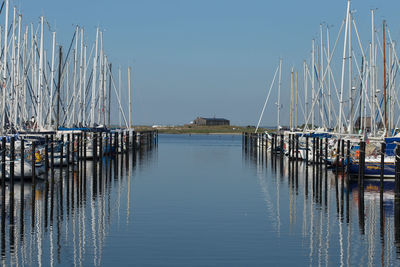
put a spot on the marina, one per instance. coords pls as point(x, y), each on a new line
point(182, 176)
point(133, 213)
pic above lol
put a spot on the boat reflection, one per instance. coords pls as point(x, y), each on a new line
point(338, 220)
point(67, 218)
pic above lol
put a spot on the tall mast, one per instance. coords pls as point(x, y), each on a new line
point(52, 79)
point(384, 75)
point(84, 86)
point(291, 101)
point(94, 80)
point(74, 94)
point(40, 80)
point(350, 78)
point(329, 79)
point(17, 74)
point(321, 79)
point(129, 92)
point(101, 80)
point(109, 94)
point(5, 69)
point(59, 86)
point(296, 107)
point(279, 94)
point(13, 84)
point(119, 92)
point(81, 81)
point(343, 68)
point(305, 91)
point(312, 83)
point(373, 88)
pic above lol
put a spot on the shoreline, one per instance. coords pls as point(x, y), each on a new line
point(191, 129)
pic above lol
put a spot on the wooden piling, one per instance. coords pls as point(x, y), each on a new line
point(397, 176)
point(115, 143)
point(273, 145)
point(12, 164)
point(297, 160)
point(383, 149)
point(314, 148)
point(62, 155)
point(46, 156)
point(306, 151)
point(68, 153)
point(33, 165)
point(52, 158)
point(100, 141)
point(361, 166)
point(22, 172)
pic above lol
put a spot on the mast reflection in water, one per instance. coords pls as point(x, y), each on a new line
point(351, 227)
point(200, 200)
point(67, 221)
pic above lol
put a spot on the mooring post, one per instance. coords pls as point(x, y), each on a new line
point(100, 136)
point(128, 141)
point(116, 143)
point(46, 156)
point(85, 147)
point(121, 145)
point(307, 151)
point(383, 149)
point(12, 162)
point(33, 167)
point(342, 157)
point(61, 155)
point(82, 144)
point(326, 154)
point(362, 165)
point(397, 176)
point(313, 149)
point(297, 159)
point(317, 166)
point(273, 149)
point(68, 153)
point(94, 148)
point(290, 146)
point(52, 158)
point(22, 172)
point(337, 159)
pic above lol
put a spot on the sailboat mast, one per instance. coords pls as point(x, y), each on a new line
point(129, 92)
point(93, 100)
point(40, 80)
point(5, 69)
point(350, 78)
point(343, 68)
point(384, 75)
point(372, 75)
point(296, 110)
point(52, 80)
point(279, 94)
point(120, 94)
point(291, 100)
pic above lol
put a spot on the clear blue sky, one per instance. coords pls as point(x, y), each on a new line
point(206, 57)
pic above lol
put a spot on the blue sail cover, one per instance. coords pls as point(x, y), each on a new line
point(318, 135)
point(74, 129)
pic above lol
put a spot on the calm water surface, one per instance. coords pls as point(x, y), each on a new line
point(199, 200)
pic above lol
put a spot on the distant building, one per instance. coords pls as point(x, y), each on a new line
point(210, 121)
